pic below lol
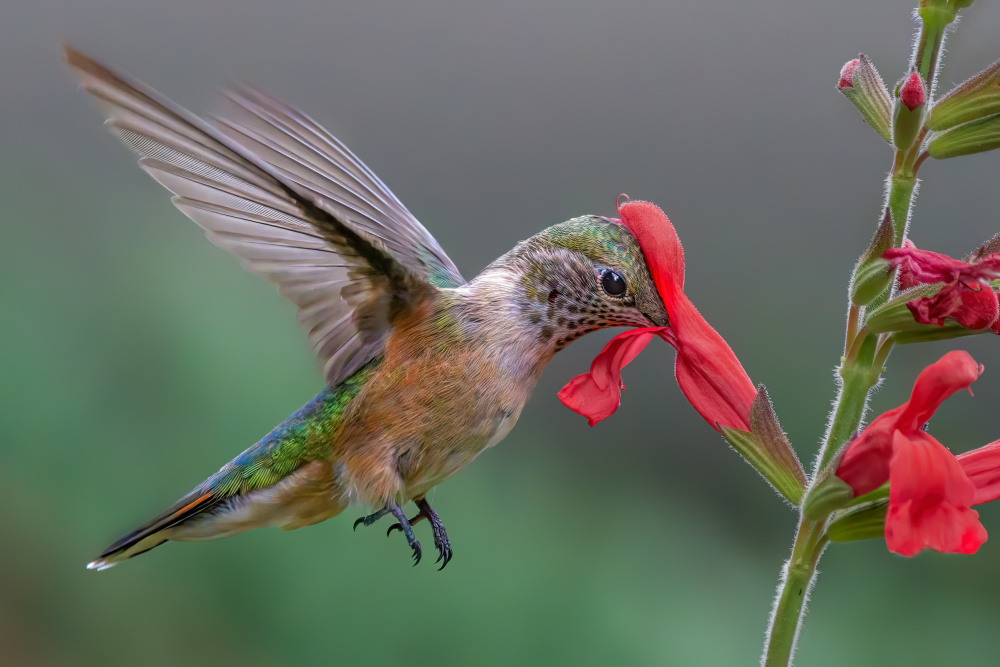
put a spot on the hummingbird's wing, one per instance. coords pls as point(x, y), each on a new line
point(294, 203)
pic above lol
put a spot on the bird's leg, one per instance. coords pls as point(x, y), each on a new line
point(437, 527)
point(404, 525)
point(392, 508)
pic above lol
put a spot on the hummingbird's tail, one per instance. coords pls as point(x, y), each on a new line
point(217, 508)
point(156, 531)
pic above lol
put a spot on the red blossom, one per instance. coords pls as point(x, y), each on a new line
point(911, 93)
point(929, 492)
point(847, 74)
point(707, 370)
point(982, 466)
point(966, 297)
point(596, 394)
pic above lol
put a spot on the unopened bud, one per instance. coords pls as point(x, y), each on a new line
point(872, 274)
point(863, 524)
point(973, 137)
point(976, 98)
point(847, 74)
point(828, 495)
point(912, 93)
point(862, 85)
point(908, 111)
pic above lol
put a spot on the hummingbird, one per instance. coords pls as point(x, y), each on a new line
point(423, 370)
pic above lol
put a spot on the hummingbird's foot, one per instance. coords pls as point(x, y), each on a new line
point(404, 525)
point(437, 527)
point(371, 518)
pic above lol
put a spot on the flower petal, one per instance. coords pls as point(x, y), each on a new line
point(929, 499)
point(708, 372)
point(973, 305)
point(980, 307)
point(953, 372)
point(982, 467)
point(597, 394)
point(865, 465)
point(925, 266)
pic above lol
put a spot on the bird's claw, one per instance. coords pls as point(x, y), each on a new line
point(398, 526)
point(443, 545)
point(416, 552)
point(405, 526)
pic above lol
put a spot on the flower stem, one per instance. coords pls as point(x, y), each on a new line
point(901, 185)
point(797, 577)
point(857, 376)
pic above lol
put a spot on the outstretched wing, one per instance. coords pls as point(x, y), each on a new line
point(292, 202)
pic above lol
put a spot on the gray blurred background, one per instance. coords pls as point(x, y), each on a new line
point(136, 358)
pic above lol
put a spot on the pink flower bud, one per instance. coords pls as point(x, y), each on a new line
point(847, 74)
point(911, 93)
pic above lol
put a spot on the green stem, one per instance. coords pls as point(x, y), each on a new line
point(901, 185)
point(857, 377)
point(934, 21)
point(859, 370)
point(798, 575)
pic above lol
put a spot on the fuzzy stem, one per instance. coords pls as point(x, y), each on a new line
point(797, 577)
point(901, 185)
point(857, 381)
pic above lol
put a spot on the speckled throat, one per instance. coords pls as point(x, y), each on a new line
point(545, 293)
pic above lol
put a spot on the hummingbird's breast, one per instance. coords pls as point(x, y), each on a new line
point(452, 382)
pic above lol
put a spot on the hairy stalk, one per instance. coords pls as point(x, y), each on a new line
point(857, 377)
point(797, 577)
point(864, 357)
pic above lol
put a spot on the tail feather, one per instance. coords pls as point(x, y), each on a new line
point(151, 534)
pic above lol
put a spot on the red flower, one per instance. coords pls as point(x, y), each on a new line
point(966, 297)
point(929, 492)
point(708, 372)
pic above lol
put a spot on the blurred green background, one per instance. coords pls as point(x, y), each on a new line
point(135, 358)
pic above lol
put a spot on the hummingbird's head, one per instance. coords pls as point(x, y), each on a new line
point(580, 276)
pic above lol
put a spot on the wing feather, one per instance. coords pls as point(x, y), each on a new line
point(292, 202)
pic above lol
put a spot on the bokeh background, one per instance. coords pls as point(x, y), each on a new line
point(136, 358)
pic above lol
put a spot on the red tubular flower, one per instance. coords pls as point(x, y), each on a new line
point(966, 297)
point(929, 492)
point(707, 370)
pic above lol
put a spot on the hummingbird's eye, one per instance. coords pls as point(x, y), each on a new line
point(612, 283)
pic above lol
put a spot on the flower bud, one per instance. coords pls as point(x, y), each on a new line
point(861, 84)
point(767, 449)
point(864, 524)
point(872, 274)
point(828, 495)
point(976, 98)
point(973, 137)
point(908, 111)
